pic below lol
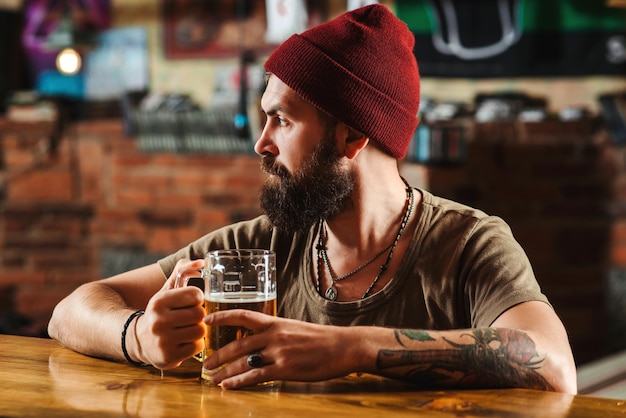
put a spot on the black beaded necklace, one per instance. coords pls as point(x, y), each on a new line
point(322, 257)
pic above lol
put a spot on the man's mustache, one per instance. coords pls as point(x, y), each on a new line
point(270, 166)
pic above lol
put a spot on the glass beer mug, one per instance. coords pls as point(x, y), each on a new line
point(233, 279)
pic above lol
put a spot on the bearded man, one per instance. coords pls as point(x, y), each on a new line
point(373, 275)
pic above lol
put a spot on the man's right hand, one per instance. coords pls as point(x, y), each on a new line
point(171, 330)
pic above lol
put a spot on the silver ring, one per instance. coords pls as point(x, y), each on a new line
point(255, 360)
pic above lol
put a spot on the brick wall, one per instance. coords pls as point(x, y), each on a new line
point(61, 213)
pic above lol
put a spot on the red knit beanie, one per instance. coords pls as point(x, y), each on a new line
point(360, 69)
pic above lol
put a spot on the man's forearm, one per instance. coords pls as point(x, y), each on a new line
point(485, 357)
point(89, 321)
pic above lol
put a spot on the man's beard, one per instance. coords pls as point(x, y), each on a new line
point(318, 190)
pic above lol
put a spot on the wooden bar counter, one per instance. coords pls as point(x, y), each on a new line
point(40, 378)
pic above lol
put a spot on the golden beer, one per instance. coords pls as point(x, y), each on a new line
point(218, 336)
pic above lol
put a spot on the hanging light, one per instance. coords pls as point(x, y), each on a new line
point(68, 61)
point(69, 40)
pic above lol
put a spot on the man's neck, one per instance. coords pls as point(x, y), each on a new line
point(372, 220)
point(349, 245)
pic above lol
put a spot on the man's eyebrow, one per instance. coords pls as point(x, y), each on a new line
point(274, 110)
point(286, 105)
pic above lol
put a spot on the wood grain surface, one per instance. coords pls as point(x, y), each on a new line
point(38, 377)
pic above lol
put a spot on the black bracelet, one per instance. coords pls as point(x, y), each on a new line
point(128, 321)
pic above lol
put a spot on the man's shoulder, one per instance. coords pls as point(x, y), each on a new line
point(439, 212)
point(442, 206)
point(260, 223)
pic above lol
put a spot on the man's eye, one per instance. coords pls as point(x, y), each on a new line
point(281, 121)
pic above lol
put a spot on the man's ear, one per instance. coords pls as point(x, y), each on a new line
point(352, 141)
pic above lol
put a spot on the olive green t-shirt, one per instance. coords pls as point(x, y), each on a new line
point(462, 269)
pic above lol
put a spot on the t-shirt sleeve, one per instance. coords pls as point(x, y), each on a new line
point(497, 273)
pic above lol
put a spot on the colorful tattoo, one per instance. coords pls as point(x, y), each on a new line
point(414, 335)
point(496, 358)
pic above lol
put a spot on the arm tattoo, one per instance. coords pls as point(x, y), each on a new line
point(496, 358)
point(413, 335)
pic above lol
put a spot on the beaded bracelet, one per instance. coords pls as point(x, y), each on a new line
point(128, 321)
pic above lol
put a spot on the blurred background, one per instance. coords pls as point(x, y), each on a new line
point(127, 127)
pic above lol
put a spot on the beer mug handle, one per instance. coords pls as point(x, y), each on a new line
point(183, 277)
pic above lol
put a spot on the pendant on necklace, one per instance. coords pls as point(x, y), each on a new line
point(331, 293)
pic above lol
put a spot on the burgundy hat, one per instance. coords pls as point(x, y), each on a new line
point(360, 69)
